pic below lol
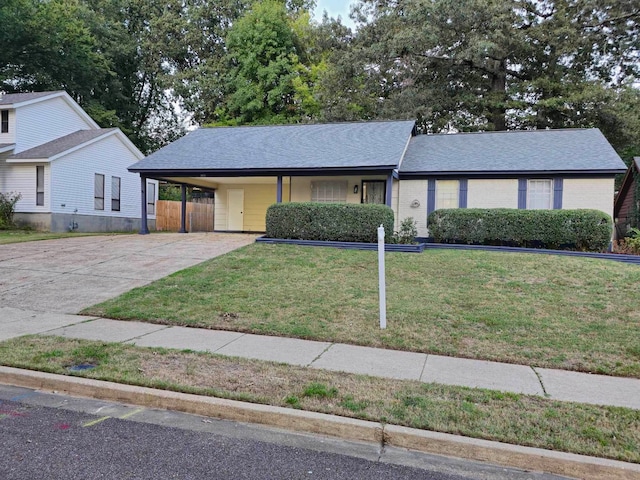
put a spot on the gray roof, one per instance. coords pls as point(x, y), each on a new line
point(11, 98)
point(60, 145)
point(517, 151)
point(285, 147)
point(5, 145)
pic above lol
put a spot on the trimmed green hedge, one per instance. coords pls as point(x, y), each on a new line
point(588, 230)
point(339, 222)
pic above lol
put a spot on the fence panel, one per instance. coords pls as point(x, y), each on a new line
point(199, 216)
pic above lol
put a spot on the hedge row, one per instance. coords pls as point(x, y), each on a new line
point(339, 222)
point(586, 230)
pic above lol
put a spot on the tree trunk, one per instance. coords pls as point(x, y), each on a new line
point(497, 110)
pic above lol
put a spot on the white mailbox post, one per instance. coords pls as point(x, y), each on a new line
point(381, 279)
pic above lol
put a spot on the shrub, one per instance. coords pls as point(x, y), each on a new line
point(7, 208)
point(568, 229)
point(629, 245)
point(341, 222)
point(407, 233)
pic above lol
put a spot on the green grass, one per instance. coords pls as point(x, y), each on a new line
point(550, 311)
point(18, 236)
point(518, 419)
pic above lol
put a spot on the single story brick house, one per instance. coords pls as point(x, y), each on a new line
point(251, 167)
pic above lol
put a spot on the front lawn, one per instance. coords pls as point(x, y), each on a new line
point(551, 311)
point(610, 432)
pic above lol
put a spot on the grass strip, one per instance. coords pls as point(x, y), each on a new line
point(608, 432)
point(542, 310)
point(20, 236)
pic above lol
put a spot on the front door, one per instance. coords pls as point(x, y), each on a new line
point(235, 206)
point(373, 191)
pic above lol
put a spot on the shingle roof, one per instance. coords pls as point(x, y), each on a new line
point(334, 145)
point(60, 145)
point(11, 98)
point(517, 151)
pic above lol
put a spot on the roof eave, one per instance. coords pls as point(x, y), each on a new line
point(510, 173)
point(29, 160)
point(261, 172)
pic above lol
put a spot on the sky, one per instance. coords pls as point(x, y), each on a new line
point(334, 8)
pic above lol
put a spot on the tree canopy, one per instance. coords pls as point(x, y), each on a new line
point(453, 65)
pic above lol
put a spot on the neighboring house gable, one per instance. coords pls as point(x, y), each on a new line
point(57, 151)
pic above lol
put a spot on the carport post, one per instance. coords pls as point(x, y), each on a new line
point(144, 227)
point(183, 209)
point(279, 190)
point(389, 190)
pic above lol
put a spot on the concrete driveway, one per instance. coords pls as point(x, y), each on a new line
point(67, 275)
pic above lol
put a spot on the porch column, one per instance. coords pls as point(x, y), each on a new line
point(389, 190)
point(144, 227)
point(183, 209)
point(279, 190)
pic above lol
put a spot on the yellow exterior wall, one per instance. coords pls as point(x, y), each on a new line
point(301, 186)
point(408, 192)
point(492, 193)
point(257, 198)
point(595, 193)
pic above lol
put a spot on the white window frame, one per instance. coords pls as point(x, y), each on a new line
point(447, 194)
point(151, 198)
point(540, 194)
point(116, 185)
point(329, 191)
point(4, 121)
point(40, 185)
point(98, 191)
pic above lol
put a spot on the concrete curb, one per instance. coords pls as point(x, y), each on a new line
point(526, 458)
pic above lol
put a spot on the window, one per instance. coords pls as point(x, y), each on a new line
point(40, 185)
point(4, 121)
point(447, 194)
point(330, 191)
point(115, 194)
point(373, 191)
point(98, 189)
point(151, 198)
point(539, 194)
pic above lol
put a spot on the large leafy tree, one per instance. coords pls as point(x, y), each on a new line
point(48, 45)
point(269, 66)
point(491, 64)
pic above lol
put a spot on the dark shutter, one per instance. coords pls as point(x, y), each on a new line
point(557, 193)
point(522, 193)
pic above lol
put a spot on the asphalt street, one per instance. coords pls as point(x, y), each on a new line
point(51, 436)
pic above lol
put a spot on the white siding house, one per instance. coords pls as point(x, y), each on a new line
point(71, 174)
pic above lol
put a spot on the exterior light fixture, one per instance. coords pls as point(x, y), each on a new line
point(355, 189)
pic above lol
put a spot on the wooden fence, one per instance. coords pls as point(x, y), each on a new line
point(199, 216)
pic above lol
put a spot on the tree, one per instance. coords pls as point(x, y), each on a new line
point(493, 64)
point(47, 46)
point(263, 62)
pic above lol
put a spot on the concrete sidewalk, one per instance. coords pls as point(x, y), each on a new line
point(553, 384)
